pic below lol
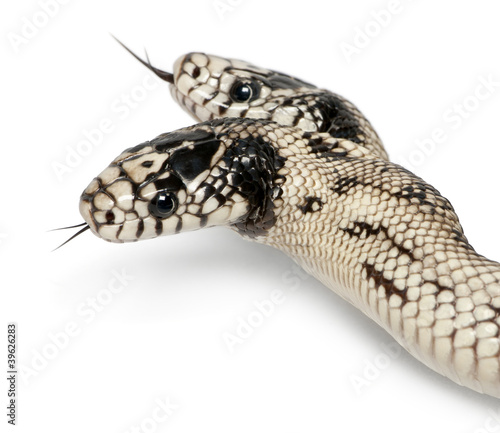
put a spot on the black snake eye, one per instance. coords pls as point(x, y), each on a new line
point(244, 91)
point(163, 205)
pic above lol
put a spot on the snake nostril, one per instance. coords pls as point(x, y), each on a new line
point(110, 217)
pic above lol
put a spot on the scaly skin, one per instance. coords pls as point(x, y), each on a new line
point(204, 86)
point(373, 232)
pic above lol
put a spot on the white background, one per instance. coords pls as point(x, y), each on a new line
point(161, 337)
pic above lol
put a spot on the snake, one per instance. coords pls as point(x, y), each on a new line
point(298, 168)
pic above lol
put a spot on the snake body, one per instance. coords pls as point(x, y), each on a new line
point(300, 169)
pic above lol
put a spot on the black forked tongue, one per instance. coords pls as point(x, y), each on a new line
point(74, 236)
point(167, 76)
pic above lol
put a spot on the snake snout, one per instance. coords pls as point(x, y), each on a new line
point(86, 213)
point(99, 209)
point(109, 207)
point(191, 64)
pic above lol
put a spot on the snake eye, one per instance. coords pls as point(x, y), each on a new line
point(244, 91)
point(163, 205)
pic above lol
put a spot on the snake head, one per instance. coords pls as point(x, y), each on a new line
point(214, 173)
point(209, 87)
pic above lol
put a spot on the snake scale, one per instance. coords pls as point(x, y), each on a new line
point(298, 168)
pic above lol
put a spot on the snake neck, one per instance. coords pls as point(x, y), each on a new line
point(311, 110)
point(323, 111)
point(390, 244)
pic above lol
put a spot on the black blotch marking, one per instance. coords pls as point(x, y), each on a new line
point(196, 72)
point(158, 227)
point(147, 164)
point(330, 114)
point(274, 79)
point(140, 229)
point(296, 120)
point(110, 217)
point(343, 185)
point(174, 139)
point(171, 183)
point(362, 230)
point(203, 220)
point(120, 228)
point(425, 195)
point(315, 142)
point(138, 148)
point(339, 119)
point(253, 166)
point(308, 207)
point(326, 149)
point(381, 281)
point(210, 97)
point(189, 163)
point(221, 200)
point(223, 108)
point(237, 178)
point(208, 191)
point(178, 227)
point(460, 237)
point(283, 81)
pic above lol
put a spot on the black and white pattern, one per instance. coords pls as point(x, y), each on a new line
point(311, 178)
point(208, 87)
